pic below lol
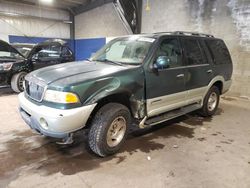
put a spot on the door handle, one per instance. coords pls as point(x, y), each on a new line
point(180, 76)
point(209, 71)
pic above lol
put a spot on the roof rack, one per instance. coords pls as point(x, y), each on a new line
point(187, 33)
point(193, 33)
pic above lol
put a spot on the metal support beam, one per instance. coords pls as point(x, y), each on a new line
point(91, 5)
point(17, 15)
point(72, 27)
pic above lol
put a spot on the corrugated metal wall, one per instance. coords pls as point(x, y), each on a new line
point(50, 24)
point(92, 28)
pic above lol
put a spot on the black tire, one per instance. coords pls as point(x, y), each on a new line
point(101, 125)
point(206, 109)
point(17, 82)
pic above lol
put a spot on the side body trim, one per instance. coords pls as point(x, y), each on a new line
point(158, 105)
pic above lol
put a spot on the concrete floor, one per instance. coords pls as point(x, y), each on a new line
point(189, 151)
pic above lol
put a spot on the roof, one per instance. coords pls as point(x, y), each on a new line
point(22, 44)
point(53, 41)
point(177, 33)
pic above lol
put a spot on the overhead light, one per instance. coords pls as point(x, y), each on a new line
point(147, 6)
point(67, 21)
point(46, 1)
point(10, 14)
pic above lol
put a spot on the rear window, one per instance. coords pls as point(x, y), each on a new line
point(219, 51)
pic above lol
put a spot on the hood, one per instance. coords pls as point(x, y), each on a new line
point(4, 46)
point(74, 72)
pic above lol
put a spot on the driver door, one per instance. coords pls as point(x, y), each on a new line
point(165, 86)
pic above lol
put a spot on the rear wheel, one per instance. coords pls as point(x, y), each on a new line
point(211, 102)
point(17, 82)
point(109, 129)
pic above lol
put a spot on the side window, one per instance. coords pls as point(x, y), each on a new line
point(47, 52)
point(219, 51)
point(170, 49)
point(66, 51)
point(42, 52)
point(55, 51)
point(193, 52)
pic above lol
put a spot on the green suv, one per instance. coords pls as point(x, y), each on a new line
point(134, 80)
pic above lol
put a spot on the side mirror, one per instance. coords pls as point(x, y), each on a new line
point(162, 62)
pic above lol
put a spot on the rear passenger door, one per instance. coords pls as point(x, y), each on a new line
point(198, 72)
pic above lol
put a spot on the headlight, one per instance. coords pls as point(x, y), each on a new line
point(6, 66)
point(60, 97)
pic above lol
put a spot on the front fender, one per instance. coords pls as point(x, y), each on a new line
point(102, 88)
point(129, 88)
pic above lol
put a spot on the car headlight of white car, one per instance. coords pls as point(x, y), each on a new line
point(5, 66)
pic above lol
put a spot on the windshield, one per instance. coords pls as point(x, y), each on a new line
point(24, 50)
point(130, 50)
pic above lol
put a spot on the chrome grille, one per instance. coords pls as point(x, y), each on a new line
point(34, 90)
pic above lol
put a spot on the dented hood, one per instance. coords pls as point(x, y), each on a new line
point(75, 72)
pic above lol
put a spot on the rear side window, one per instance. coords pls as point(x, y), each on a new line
point(219, 51)
point(193, 52)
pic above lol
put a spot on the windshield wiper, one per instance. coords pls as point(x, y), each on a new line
point(109, 61)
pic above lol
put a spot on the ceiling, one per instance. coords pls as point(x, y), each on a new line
point(74, 6)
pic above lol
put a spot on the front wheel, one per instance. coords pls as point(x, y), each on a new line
point(17, 82)
point(109, 129)
point(211, 102)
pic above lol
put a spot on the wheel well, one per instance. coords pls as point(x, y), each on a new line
point(115, 98)
point(219, 85)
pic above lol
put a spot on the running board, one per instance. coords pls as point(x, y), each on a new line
point(146, 122)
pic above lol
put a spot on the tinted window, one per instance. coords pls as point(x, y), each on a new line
point(47, 52)
point(171, 49)
point(55, 51)
point(219, 51)
point(193, 52)
point(66, 51)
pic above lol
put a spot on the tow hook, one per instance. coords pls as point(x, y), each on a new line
point(67, 140)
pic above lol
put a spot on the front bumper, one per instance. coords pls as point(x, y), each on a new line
point(53, 122)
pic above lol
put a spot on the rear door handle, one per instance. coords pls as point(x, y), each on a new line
point(209, 71)
point(180, 76)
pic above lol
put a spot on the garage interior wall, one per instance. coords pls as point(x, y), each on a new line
point(94, 27)
point(226, 19)
point(28, 24)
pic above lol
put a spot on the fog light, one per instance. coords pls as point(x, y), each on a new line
point(43, 123)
